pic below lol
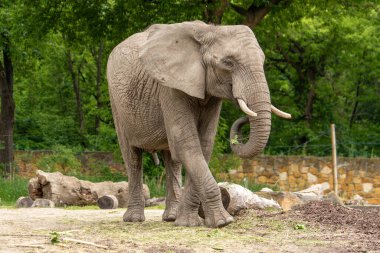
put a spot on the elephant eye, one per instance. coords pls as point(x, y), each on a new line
point(228, 62)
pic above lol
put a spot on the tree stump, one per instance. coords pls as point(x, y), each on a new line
point(23, 202)
point(67, 190)
point(43, 203)
point(108, 202)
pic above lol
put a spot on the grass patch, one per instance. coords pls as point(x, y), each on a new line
point(12, 189)
point(159, 207)
point(81, 208)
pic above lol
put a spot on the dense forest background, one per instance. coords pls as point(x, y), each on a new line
point(322, 65)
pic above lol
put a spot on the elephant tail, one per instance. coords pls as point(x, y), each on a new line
point(155, 158)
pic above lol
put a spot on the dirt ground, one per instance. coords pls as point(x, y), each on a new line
point(316, 227)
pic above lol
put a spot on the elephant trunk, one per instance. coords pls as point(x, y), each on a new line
point(251, 89)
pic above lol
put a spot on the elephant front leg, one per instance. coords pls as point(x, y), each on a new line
point(173, 186)
point(187, 214)
point(205, 187)
point(136, 201)
point(181, 115)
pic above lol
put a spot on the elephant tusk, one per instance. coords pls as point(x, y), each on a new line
point(244, 108)
point(280, 113)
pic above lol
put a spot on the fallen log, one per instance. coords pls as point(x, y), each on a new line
point(235, 198)
point(68, 190)
point(108, 202)
point(239, 198)
point(23, 202)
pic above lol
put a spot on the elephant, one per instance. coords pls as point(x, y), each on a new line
point(166, 87)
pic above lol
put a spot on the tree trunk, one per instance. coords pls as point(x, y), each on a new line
point(76, 88)
point(354, 110)
point(215, 10)
point(309, 104)
point(66, 190)
point(254, 14)
point(7, 110)
point(98, 58)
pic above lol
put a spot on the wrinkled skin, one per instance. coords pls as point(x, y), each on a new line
point(166, 86)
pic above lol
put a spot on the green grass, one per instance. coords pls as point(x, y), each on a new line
point(11, 190)
point(81, 208)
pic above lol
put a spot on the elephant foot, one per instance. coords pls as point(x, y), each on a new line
point(134, 215)
point(218, 218)
point(188, 219)
point(170, 213)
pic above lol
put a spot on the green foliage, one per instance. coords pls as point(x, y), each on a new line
point(224, 163)
point(154, 176)
point(12, 189)
point(62, 159)
point(100, 171)
point(327, 50)
point(299, 227)
point(55, 237)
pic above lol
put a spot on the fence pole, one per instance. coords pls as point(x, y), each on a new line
point(335, 169)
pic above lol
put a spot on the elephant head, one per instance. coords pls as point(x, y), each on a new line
point(223, 61)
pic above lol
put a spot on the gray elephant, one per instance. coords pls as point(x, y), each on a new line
point(166, 88)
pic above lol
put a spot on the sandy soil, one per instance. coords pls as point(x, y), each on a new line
point(29, 230)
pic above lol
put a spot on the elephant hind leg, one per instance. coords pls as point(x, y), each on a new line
point(173, 186)
point(136, 201)
point(133, 161)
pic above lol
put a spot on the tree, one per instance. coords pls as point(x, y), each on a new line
point(7, 101)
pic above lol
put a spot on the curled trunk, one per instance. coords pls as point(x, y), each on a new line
point(256, 94)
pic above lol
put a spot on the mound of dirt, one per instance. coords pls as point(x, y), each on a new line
point(366, 221)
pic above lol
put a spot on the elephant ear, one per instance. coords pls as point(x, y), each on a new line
point(171, 55)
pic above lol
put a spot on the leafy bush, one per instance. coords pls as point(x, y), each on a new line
point(223, 163)
point(62, 159)
point(11, 190)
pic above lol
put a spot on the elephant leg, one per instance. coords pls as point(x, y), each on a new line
point(208, 120)
point(187, 214)
point(136, 201)
point(133, 161)
point(207, 130)
point(202, 187)
point(181, 123)
point(173, 186)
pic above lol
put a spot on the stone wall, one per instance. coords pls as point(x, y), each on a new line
point(293, 173)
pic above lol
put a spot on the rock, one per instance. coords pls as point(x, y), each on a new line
point(367, 187)
point(43, 203)
point(108, 202)
point(265, 189)
point(287, 200)
point(311, 178)
point(23, 202)
point(333, 198)
point(314, 192)
point(357, 200)
point(155, 202)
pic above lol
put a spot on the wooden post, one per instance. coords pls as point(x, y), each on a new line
point(335, 169)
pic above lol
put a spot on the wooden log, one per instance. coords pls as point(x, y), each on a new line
point(23, 202)
point(240, 198)
point(235, 198)
point(43, 203)
point(67, 190)
point(108, 202)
